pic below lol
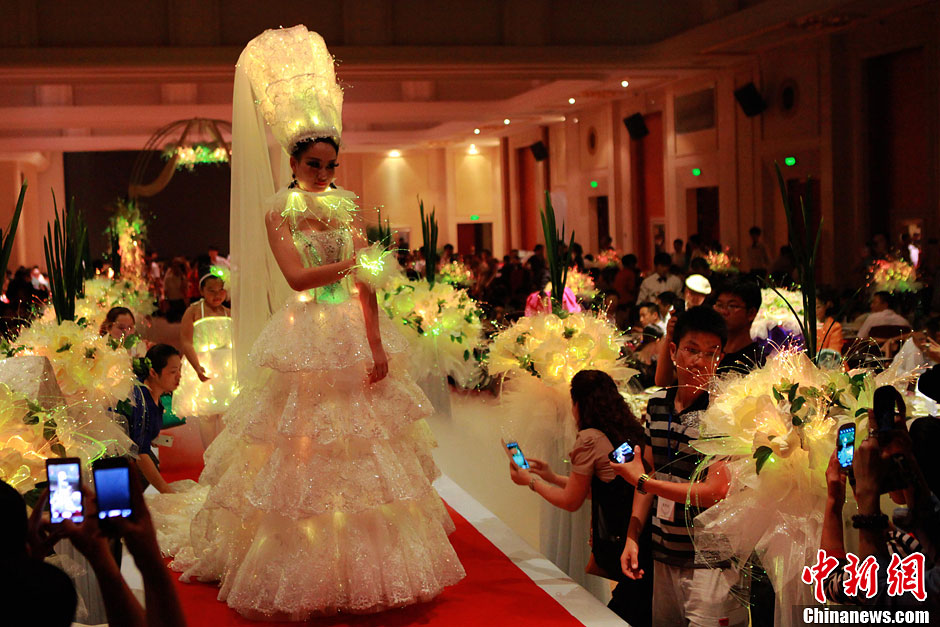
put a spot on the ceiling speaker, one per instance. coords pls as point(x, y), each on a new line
point(750, 100)
point(636, 126)
point(539, 151)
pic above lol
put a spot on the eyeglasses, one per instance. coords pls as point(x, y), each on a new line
point(719, 306)
point(694, 353)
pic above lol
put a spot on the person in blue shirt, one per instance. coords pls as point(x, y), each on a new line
point(145, 411)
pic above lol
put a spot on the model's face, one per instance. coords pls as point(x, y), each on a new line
point(316, 167)
point(123, 326)
point(213, 291)
point(169, 378)
point(696, 357)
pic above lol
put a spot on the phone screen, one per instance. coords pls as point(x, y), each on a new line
point(845, 447)
point(622, 454)
point(517, 455)
point(113, 489)
point(65, 496)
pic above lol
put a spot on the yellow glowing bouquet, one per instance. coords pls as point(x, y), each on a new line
point(89, 368)
point(721, 261)
point(27, 438)
point(581, 284)
point(443, 325)
point(776, 430)
point(455, 273)
point(893, 276)
point(555, 349)
point(775, 312)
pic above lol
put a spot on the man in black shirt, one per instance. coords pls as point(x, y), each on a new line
point(738, 303)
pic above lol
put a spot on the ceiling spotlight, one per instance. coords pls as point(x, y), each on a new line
point(624, 83)
point(570, 100)
point(506, 121)
point(394, 153)
point(476, 131)
point(472, 150)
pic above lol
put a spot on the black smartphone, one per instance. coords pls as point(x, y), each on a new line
point(517, 457)
point(845, 446)
point(887, 404)
point(622, 454)
point(678, 306)
point(112, 488)
point(884, 409)
point(65, 495)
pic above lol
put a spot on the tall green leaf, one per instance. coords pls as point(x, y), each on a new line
point(6, 239)
point(557, 264)
point(805, 246)
point(429, 232)
point(65, 247)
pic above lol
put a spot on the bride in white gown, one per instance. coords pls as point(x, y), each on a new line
point(317, 493)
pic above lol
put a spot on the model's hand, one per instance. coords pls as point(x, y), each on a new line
point(630, 559)
point(201, 373)
point(541, 469)
point(379, 365)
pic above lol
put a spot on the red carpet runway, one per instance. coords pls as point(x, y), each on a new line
point(494, 593)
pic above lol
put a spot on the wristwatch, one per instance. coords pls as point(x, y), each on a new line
point(872, 522)
point(641, 482)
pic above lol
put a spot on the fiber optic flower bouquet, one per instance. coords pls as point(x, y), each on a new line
point(27, 439)
point(609, 258)
point(581, 284)
point(775, 428)
point(455, 273)
point(893, 276)
point(88, 368)
point(443, 325)
point(775, 312)
point(722, 261)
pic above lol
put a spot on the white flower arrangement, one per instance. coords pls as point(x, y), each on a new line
point(27, 439)
point(774, 312)
point(443, 325)
point(554, 349)
point(455, 273)
point(89, 368)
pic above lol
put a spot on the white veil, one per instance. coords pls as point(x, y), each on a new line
point(259, 287)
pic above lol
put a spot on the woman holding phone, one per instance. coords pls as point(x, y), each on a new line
point(604, 422)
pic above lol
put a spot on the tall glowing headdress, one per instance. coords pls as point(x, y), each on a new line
point(293, 79)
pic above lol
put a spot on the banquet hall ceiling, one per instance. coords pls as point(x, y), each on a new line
point(99, 75)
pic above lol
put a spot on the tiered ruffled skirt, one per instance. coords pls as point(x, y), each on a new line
point(319, 487)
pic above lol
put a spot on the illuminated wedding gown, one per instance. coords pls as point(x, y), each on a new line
point(319, 487)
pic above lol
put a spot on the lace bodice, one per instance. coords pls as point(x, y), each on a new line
point(318, 248)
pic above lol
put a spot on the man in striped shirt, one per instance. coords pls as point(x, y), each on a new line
point(686, 591)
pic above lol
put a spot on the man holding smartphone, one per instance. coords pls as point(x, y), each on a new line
point(685, 591)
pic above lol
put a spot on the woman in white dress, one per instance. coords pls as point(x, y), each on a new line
point(319, 486)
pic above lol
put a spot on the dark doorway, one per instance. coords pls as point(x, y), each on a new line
point(474, 237)
point(899, 160)
point(703, 214)
point(528, 207)
point(601, 215)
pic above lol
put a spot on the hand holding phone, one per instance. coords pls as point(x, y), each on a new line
point(516, 454)
point(112, 490)
point(845, 447)
point(622, 454)
point(65, 495)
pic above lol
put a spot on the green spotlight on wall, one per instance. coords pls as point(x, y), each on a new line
point(593, 183)
point(696, 172)
point(790, 160)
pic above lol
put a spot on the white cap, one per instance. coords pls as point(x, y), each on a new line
point(699, 284)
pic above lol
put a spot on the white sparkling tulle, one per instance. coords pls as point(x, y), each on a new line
point(316, 498)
